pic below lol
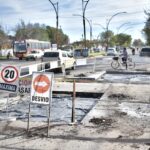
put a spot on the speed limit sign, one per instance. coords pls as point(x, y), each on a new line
point(9, 74)
point(9, 78)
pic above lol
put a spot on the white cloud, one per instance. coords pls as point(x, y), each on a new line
point(97, 11)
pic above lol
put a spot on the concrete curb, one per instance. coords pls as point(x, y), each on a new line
point(127, 72)
point(90, 77)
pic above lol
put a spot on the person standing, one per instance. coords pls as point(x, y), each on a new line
point(125, 56)
point(133, 51)
point(8, 55)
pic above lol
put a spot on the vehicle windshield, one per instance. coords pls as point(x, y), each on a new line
point(145, 50)
point(111, 50)
point(34, 52)
point(51, 54)
point(20, 47)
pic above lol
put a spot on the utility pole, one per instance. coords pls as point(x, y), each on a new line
point(84, 27)
point(57, 18)
point(90, 25)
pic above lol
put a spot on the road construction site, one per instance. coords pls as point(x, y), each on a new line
point(108, 115)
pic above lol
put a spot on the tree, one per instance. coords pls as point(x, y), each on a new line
point(40, 32)
point(108, 35)
point(31, 31)
point(3, 38)
point(62, 38)
point(146, 29)
point(138, 43)
point(123, 40)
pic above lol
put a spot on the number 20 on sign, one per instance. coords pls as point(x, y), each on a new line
point(9, 74)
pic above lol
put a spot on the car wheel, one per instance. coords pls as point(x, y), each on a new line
point(35, 58)
point(74, 66)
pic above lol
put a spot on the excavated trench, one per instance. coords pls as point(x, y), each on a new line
point(61, 108)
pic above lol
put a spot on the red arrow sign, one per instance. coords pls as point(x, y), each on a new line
point(41, 84)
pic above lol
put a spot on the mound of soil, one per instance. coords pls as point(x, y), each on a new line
point(120, 96)
point(101, 121)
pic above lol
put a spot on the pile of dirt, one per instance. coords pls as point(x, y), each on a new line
point(119, 96)
point(101, 121)
point(80, 75)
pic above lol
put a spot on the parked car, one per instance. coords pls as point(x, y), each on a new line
point(96, 49)
point(111, 52)
point(81, 52)
point(64, 59)
point(34, 55)
point(145, 51)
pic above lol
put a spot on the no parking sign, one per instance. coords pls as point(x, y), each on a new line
point(9, 76)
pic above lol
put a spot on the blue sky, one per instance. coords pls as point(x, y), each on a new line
point(97, 11)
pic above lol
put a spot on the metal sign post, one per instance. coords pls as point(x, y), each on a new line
point(50, 102)
point(7, 107)
point(28, 120)
point(41, 93)
point(94, 65)
point(73, 102)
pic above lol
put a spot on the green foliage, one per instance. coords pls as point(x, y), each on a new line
point(40, 32)
point(31, 31)
point(3, 38)
point(57, 36)
point(138, 43)
point(146, 29)
point(113, 40)
point(107, 36)
point(123, 40)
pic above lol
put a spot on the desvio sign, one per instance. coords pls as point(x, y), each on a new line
point(41, 88)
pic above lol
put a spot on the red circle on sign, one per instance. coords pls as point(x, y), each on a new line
point(41, 84)
point(14, 78)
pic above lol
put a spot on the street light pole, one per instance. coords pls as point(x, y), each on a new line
point(127, 29)
point(84, 27)
point(100, 25)
point(107, 27)
point(122, 26)
point(99, 33)
point(57, 23)
point(90, 25)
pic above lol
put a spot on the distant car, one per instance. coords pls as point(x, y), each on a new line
point(63, 57)
point(145, 51)
point(34, 55)
point(96, 49)
point(111, 52)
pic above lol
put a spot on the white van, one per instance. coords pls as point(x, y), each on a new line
point(111, 52)
point(64, 59)
point(34, 54)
